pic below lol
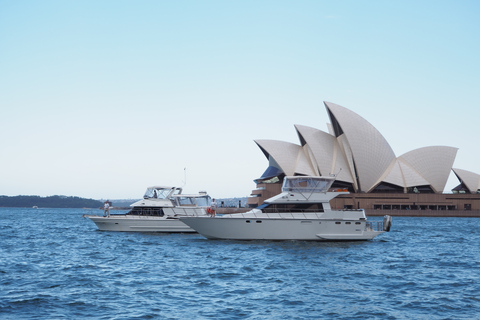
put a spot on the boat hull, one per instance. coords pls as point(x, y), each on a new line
point(139, 224)
point(280, 229)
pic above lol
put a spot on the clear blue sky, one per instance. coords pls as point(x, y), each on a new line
point(101, 99)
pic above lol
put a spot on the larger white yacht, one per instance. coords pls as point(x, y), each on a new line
point(158, 211)
point(301, 212)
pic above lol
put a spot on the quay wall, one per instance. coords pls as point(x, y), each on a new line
point(393, 213)
point(425, 213)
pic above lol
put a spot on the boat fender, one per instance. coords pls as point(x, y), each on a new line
point(387, 223)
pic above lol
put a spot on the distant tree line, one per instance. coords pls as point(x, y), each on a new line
point(49, 202)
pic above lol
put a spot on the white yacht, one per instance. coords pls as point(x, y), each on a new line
point(301, 212)
point(158, 211)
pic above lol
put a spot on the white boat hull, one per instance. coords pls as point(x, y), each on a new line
point(139, 223)
point(280, 229)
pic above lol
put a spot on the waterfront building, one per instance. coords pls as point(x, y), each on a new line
point(364, 164)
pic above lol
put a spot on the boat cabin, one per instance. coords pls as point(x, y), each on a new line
point(301, 194)
point(158, 199)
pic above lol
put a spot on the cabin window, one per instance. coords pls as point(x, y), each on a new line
point(147, 212)
point(358, 223)
point(348, 222)
point(203, 201)
point(300, 184)
point(160, 193)
point(338, 222)
point(291, 207)
point(186, 201)
point(247, 221)
point(258, 221)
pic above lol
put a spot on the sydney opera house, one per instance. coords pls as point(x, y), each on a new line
point(365, 164)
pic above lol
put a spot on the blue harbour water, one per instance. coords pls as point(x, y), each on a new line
point(54, 264)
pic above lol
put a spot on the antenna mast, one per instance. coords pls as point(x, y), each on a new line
point(185, 176)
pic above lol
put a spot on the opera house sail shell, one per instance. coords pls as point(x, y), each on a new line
point(469, 181)
point(361, 159)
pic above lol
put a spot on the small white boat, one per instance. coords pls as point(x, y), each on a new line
point(158, 211)
point(301, 212)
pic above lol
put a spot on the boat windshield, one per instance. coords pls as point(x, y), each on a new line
point(202, 201)
point(161, 193)
point(307, 184)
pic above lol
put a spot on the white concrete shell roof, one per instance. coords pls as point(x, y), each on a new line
point(325, 152)
point(433, 163)
point(360, 155)
point(470, 179)
point(364, 141)
point(403, 175)
point(290, 157)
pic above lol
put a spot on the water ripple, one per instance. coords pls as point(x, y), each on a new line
point(56, 265)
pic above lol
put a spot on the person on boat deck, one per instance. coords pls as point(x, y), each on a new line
point(106, 209)
point(213, 208)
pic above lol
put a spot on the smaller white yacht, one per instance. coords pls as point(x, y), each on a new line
point(158, 211)
point(301, 212)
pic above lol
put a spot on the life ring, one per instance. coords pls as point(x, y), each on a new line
point(387, 223)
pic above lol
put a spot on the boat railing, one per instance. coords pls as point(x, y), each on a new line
point(374, 226)
point(369, 225)
point(187, 211)
point(284, 210)
point(289, 214)
point(296, 210)
point(315, 214)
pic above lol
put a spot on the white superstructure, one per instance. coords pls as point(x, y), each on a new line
point(158, 211)
point(301, 212)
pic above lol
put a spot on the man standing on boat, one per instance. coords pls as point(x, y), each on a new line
point(213, 208)
point(106, 209)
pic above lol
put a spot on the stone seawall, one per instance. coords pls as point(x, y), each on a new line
point(425, 213)
point(393, 213)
